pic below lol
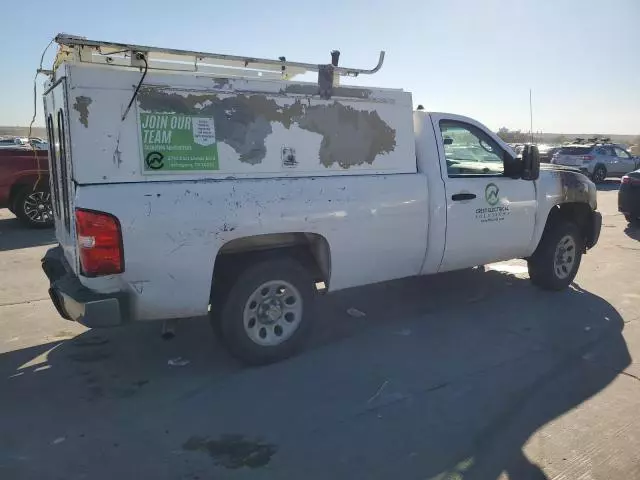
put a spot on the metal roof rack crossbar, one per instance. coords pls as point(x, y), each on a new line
point(79, 49)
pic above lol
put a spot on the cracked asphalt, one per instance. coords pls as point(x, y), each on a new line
point(467, 375)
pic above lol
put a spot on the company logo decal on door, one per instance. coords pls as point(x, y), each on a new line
point(495, 212)
point(491, 194)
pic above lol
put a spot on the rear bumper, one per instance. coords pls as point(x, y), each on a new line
point(75, 302)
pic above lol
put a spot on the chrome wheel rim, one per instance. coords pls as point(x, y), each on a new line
point(272, 313)
point(565, 257)
point(37, 207)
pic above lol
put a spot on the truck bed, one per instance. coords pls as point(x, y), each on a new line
point(173, 231)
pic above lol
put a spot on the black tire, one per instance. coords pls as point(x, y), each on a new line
point(33, 207)
point(599, 174)
point(246, 283)
point(542, 264)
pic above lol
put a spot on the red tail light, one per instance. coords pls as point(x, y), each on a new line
point(627, 180)
point(587, 158)
point(99, 243)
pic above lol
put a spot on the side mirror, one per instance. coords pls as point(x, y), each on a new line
point(448, 140)
point(530, 163)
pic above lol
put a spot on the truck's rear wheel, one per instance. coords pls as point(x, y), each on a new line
point(555, 263)
point(267, 312)
point(34, 207)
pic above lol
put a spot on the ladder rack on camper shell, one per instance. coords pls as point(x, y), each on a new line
point(81, 50)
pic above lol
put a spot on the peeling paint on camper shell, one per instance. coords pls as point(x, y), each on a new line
point(256, 126)
point(81, 106)
point(243, 121)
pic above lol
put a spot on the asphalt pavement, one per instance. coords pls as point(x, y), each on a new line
point(468, 375)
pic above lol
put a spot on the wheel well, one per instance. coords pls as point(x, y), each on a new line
point(310, 249)
point(576, 212)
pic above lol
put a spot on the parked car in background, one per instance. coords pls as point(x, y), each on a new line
point(547, 152)
point(629, 197)
point(24, 142)
point(13, 142)
point(24, 185)
point(517, 147)
point(597, 160)
point(39, 143)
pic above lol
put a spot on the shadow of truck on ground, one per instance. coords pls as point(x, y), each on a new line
point(610, 184)
point(15, 235)
point(445, 377)
point(633, 231)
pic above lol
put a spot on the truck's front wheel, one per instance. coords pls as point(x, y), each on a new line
point(555, 263)
point(267, 312)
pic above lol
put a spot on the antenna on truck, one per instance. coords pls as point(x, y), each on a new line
point(79, 49)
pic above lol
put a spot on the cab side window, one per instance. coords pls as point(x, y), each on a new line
point(469, 151)
point(620, 153)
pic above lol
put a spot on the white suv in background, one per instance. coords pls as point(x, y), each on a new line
point(13, 142)
point(597, 160)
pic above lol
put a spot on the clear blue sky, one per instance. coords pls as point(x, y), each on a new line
point(477, 58)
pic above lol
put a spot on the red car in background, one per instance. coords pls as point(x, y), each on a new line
point(24, 185)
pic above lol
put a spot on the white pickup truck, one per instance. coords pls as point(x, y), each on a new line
point(189, 184)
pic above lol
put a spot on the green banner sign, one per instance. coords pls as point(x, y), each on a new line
point(173, 142)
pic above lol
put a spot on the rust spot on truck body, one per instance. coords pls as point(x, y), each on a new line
point(82, 107)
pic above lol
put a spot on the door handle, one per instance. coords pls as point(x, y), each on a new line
point(463, 196)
